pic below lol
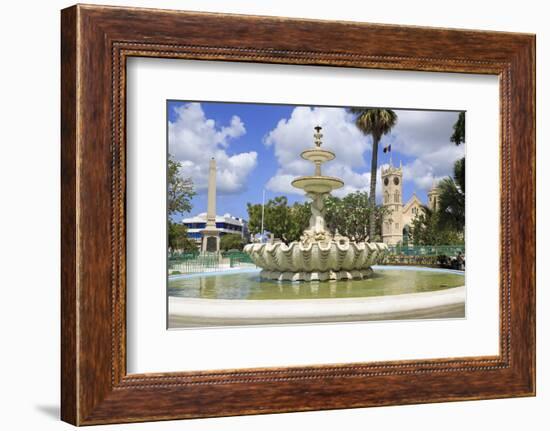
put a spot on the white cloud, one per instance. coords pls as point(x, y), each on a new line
point(420, 135)
point(280, 183)
point(421, 174)
point(293, 135)
point(425, 135)
point(421, 132)
point(194, 139)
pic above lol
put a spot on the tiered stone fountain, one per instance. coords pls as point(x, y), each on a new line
point(319, 255)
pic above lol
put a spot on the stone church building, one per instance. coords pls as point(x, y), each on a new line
point(397, 224)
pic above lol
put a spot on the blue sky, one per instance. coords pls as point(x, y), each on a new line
point(258, 146)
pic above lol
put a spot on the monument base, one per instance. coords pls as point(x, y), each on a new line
point(210, 241)
point(317, 276)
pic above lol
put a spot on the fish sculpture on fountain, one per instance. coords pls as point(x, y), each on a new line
point(319, 255)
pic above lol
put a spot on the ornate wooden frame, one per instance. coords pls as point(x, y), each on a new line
point(95, 42)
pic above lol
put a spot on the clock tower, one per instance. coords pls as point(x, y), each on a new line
point(392, 201)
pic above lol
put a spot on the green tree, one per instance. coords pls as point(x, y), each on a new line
point(377, 123)
point(426, 230)
point(299, 220)
point(178, 239)
point(351, 216)
point(459, 129)
point(283, 221)
point(452, 198)
point(180, 189)
point(180, 192)
point(380, 212)
point(276, 217)
point(254, 218)
point(231, 241)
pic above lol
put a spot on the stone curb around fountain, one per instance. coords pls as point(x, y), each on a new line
point(284, 311)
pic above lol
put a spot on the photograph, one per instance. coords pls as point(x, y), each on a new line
point(289, 214)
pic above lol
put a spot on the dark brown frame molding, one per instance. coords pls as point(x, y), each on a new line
point(95, 43)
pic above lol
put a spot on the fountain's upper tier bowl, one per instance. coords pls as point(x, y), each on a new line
point(318, 155)
point(317, 184)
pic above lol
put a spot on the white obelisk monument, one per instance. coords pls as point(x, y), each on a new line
point(210, 234)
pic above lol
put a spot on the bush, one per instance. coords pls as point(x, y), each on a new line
point(231, 241)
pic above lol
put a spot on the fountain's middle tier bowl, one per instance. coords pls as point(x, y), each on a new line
point(332, 260)
point(317, 184)
point(317, 155)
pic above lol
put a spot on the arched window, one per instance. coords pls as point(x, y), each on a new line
point(386, 197)
point(396, 197)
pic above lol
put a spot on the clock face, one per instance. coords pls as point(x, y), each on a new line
point(396, 181)
point(386, 181)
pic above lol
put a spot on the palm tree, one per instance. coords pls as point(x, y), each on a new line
point(452, 191)
point(377, 123)
point(452, 198)
point(459, 129)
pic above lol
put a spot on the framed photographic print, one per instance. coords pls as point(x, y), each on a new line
point(264, 214)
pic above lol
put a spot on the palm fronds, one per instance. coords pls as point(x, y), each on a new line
point(452, 198)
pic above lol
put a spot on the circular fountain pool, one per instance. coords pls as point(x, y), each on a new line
point(248, 285)
point(243, 298)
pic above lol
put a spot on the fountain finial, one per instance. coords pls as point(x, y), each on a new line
point(318, 135)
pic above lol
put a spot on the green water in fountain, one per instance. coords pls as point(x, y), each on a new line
point(249, 285)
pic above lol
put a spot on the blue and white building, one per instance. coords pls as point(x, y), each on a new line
point(225, 224)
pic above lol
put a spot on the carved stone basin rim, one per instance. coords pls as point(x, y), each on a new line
point(322, 260)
